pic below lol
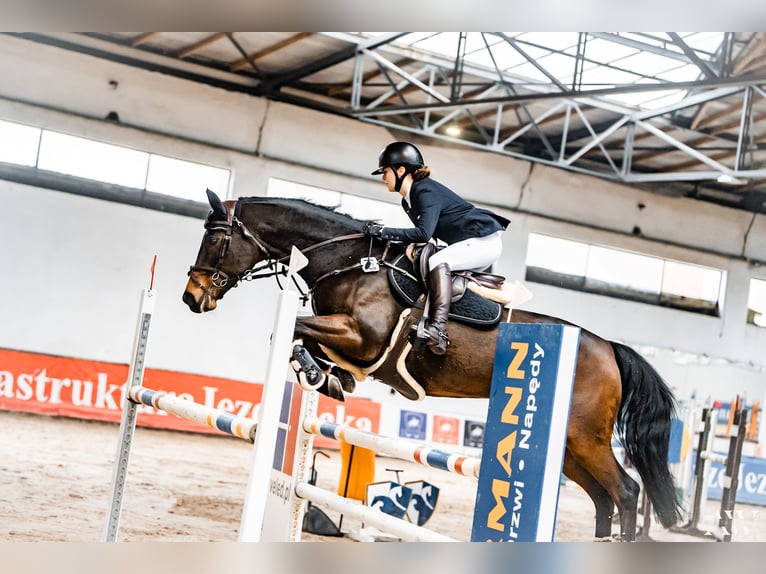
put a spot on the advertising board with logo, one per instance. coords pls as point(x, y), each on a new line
point(525, 434)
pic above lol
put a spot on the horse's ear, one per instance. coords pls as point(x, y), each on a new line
point(216, 203)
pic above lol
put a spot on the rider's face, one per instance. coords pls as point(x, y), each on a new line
point(389, 178)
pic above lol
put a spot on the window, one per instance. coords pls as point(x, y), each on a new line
point(92, 159)
point(618, 273)
point(185, 179)
point(109, 163)
point(18, 143)
point(756, 303)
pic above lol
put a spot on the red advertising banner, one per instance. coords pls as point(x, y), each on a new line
point(95, 390)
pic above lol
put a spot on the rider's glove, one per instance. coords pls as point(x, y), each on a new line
point(372, 229)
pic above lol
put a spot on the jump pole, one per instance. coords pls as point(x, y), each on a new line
point(395, 448)
point(218, 419)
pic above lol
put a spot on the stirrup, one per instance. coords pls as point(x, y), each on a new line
point(439, 344)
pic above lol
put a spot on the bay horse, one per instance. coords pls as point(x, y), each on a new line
point(359, 329)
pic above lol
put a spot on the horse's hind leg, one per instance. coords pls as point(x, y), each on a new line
point(596, 402)
point(598, 460)
point(627, 505)
point(598, 494)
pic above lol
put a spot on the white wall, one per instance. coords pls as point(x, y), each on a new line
point(73, 267)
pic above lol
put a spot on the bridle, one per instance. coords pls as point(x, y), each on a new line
point(269, 265)
point(219, 278)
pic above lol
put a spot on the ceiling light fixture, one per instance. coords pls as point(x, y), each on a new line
point(453, 131)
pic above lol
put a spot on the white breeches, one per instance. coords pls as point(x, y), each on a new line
point(475, 253)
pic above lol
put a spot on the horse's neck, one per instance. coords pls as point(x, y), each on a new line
point(308, 232)
point(341, 256)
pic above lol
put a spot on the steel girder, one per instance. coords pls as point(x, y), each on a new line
point(425, 109)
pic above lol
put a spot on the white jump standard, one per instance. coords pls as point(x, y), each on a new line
point(731, 462)
point(263, 440)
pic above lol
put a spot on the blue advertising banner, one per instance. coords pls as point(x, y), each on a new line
point(525, 435)
point(751, 488)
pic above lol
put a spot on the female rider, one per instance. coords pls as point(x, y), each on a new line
point(472, 234)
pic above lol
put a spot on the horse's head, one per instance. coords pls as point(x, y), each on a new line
point(252, 237)
point(228, 250)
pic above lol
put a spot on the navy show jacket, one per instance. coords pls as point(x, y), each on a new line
point(437, 211)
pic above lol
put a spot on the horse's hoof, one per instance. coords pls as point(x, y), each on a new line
point(334, 388)
point(347, 381)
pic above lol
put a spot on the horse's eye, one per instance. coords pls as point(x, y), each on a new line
point(212, 240)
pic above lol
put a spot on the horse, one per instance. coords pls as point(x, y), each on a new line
point(359, 329)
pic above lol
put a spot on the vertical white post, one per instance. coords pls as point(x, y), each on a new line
point(129, 413)
point(268, 419)
point(301, 465)
point(761, 444)
point(271, 401)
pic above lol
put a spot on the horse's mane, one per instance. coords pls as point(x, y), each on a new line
point(331, 214)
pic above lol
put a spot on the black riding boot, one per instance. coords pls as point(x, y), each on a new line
point(441, 296)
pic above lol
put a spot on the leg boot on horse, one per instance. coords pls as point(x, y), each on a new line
point(441, 296)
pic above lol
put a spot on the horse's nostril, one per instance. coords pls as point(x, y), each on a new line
point(188, 298)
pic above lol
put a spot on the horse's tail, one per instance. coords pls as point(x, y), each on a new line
point(643, 426)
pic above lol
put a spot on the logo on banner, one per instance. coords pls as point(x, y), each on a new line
point(423, 501)
point(446, 430)
point(412, 424)
point(474, 434)
point(389, 497)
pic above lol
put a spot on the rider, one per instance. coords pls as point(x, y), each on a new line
point(472, 234)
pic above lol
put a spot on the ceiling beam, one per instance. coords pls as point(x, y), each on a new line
point(692, 55)
point(197, 46)
point(249, 59)
point(142, 39)
point(275, 47)
point(640, 46)
point(576, 94)
point(278, 82)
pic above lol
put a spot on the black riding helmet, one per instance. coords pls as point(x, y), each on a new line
point(396, 154)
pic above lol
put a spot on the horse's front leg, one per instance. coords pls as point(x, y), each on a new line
point(315, 338)
point(340, 332)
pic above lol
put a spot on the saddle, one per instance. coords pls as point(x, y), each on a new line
point(477, 298)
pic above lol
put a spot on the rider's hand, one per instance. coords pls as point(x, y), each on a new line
point(372, 229)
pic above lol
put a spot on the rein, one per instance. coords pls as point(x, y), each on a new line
point(268, 267)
